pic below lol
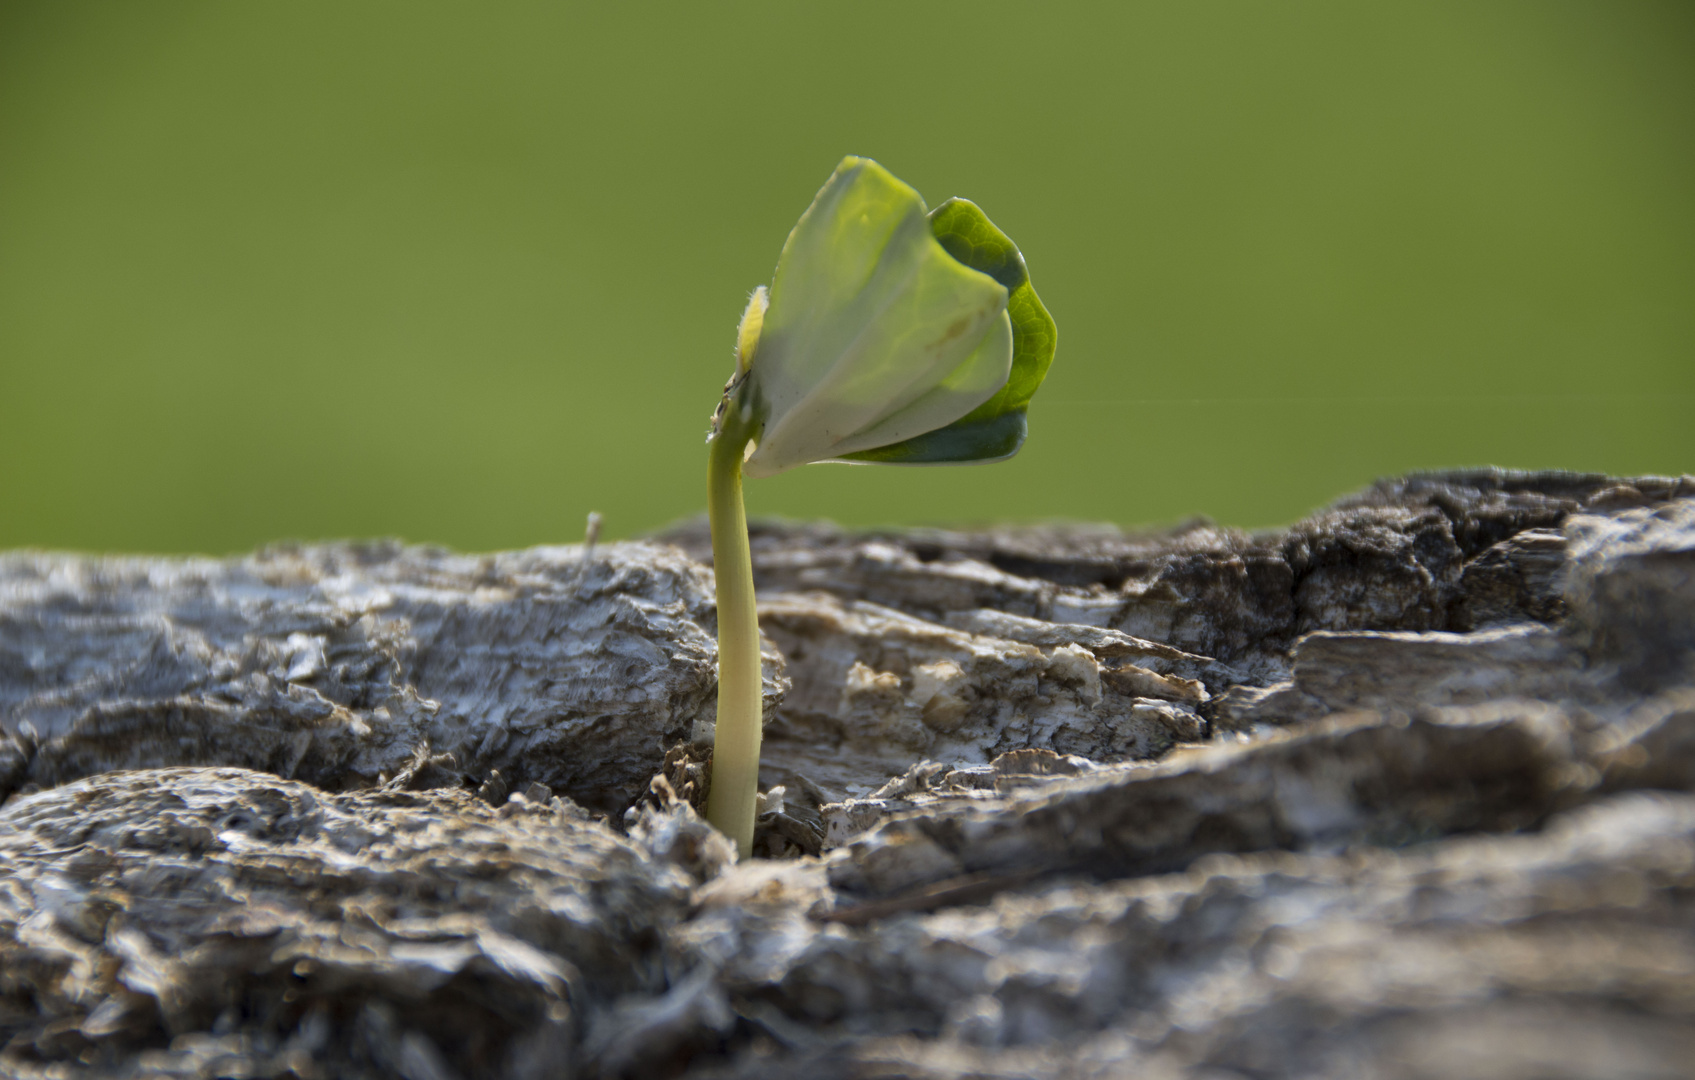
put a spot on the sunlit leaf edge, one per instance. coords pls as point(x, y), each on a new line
point(995, 429)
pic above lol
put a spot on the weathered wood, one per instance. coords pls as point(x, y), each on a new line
point(338, 664)
point(1406, 790)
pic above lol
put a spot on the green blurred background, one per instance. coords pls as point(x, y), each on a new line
point(464, 272)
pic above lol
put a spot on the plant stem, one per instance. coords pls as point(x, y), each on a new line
point(735, 748)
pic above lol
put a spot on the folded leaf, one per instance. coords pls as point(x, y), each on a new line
point(995, 429)
point(875, 333)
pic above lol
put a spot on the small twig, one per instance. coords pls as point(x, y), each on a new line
point(591, 534)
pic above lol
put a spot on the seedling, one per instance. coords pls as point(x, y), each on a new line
point(890, 336)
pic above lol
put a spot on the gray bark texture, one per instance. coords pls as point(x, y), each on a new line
point(1406, 790)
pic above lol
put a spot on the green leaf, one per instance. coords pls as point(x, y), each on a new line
point(995, 429)
point(875, 332)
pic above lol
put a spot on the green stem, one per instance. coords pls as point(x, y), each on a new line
point(735, 748)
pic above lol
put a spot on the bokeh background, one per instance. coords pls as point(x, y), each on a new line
point(464, 272)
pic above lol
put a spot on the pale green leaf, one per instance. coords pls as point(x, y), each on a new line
point(875, 333)
point(995, 429)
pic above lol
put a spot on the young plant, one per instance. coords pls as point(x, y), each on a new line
point(889, 335)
